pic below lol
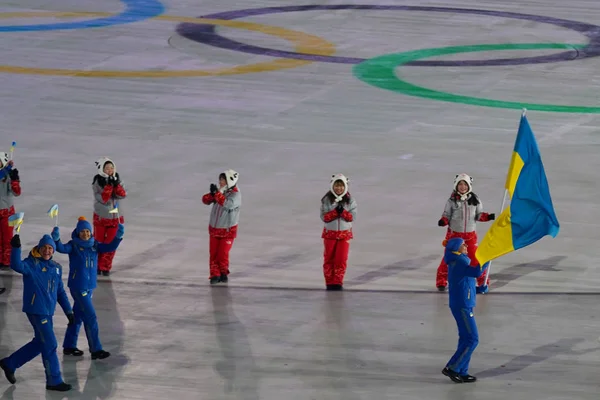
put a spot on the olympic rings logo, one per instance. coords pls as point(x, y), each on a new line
point(378, 71)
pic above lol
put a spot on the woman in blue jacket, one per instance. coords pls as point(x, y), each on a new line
point(462, 292)
point(42, 289)
point(83, 252)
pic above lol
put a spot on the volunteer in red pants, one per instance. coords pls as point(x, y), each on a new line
point(108, 192)
point(226, 201)
point(10, 187)
point(463, 209)
point(338, 211)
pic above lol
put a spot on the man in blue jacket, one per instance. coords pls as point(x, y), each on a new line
point(462, 292)
point(83, 252)
point(42, 289)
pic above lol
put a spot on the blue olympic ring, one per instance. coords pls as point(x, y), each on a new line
point(135, 11)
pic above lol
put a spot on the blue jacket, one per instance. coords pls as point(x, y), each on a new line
point(42, 281)
point(461, 276)
point(83, 260)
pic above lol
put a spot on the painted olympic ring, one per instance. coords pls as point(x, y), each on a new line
point(135, 11)
point(207, 34)
point(303, 42)
point(380, 72)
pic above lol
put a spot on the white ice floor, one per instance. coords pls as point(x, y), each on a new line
point(274, 333)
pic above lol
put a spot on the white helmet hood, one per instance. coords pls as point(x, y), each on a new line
point(339, 177)
point(100, 166)
point(4, 159)
point(231, 177)
point(468, 180)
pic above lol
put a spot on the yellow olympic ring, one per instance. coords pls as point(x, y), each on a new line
point(303, 42)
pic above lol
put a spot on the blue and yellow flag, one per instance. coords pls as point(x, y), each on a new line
point(530, 215)
point(16, 220)
point(53, 211)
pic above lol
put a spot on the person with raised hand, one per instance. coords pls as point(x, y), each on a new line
point(338, 212)
point(42, 289)
point(109, 190)
point(462, 301)
point(83, 250)
point(226, 200)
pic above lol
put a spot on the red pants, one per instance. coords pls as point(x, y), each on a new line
point(471, 241)
point(6, 234)
point(105, 234)
point(335, 260)
point(219, 256)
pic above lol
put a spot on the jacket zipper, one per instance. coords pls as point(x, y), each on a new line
point(466, 217)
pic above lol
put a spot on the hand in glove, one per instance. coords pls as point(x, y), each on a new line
point(339, 209)
point(473, 200)
point(120, 231)
point(213, 188)
point(441, 222)
point(491, 217)
point(116, 180)
point(71, 318)
point(14, 174)
point(55, 234)
point(15, 241)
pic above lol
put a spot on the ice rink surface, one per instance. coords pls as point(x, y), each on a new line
point(274, 333)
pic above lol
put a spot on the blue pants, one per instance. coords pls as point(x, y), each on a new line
point(468, 338)
point(44, 343)
point(84, 312)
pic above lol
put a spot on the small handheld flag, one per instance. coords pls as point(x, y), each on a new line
point(12, 149)
point(53, 213)
point(115, 210)
point(16, 220)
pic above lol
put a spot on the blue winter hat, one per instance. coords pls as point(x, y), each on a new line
point(46, 239)
point(453, 244)
point(82, 224)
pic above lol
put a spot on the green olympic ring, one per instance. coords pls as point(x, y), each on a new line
point(380, 72)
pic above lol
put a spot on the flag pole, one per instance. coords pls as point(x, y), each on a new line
point(487, 272)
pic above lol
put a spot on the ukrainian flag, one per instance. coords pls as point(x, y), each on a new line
point(530, 215)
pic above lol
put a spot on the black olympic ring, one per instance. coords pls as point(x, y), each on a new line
point(206, 34)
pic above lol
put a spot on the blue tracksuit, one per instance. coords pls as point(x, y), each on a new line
point(42, 289)
point(461, 287)
point(83, 267)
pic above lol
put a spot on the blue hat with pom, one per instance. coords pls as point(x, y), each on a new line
point(453, 244)
point(82, 224)
point(46, 240)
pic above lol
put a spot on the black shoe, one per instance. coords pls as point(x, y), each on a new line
point(99, 272)
point(441, 288)
point(214, 280)
point(100, 355)
point(329, 287)
point(468, 378)
point(106, 273)
point(10, 375)
point(335, 287)
point(456, 378)
point(72, 352)
point(4, 266)
point(2, 290)
point(223, 279)
point(61, 387)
